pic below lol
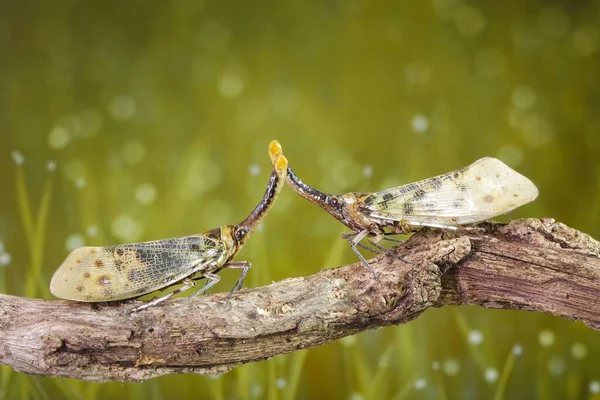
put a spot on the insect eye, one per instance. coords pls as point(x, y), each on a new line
point(240, 233)
point(334, 202)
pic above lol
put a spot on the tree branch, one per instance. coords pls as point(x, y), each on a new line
point(530, 264)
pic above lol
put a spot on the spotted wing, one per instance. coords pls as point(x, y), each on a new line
point(109, 273)
point(483, 190)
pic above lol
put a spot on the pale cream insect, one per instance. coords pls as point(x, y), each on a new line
point(97, 274)
point(483, 190)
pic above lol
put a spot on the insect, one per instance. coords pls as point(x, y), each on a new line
point(483, 190)
point(97, 274)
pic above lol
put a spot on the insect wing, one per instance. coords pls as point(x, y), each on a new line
point(131, 270)
point(483, 190)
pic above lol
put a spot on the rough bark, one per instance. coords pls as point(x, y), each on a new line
point(531, 264)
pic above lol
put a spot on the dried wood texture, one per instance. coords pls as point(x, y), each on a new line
point(530, 264)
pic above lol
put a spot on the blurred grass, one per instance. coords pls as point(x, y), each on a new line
point(158, 115)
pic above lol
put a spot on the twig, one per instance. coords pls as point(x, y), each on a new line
point(530, 264)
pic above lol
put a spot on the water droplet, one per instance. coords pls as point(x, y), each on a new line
point(475, 337)
point(491, 375)
point(517, 350)
point(451, 367)
point(58, 138)
point(145, 193)
point(594, 387)
point(420, 123)
point(18, 157)
point(579, 351)
point(133, 152)
point(122, 107)
point(125, 228)
point(469, 21)
point(5, 259)
point(51, 166)
point(523, 97)
point(281, 382)
point(556, 365)
point(230, 85)
point(367, 171)
point(254, 169)
point(74, 240)
point(546, 338)
point(420, 384)
point(92, 230)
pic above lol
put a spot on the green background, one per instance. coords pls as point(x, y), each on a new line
point(157, 115)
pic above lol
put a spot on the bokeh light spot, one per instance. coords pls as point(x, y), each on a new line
point(512, 155)
point(420, 384)
point(546, 338)
point(553, 21)
point(475, 337)
point(122, 107)
point(469, 21)
point(579, 351)
point(586, 40)
point(17, 157)
point(126, 229)
point(490, 63)
point(451, 367)
point(557, 365)
point(74, 240)
point(523, 97)
point(490, 375)
point(133, 152)
point(58, 138)
point(419, 123)
point(230, 85)
point(145, 193)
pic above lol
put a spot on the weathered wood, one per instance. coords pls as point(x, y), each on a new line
point(530, 264)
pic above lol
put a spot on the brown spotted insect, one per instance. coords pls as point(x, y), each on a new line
point(98, 274)
point(480, 191)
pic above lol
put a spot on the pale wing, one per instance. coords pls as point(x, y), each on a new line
point(130, 270)
point(483, 190)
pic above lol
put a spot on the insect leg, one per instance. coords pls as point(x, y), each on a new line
point(364, 246)
point(386, 237)
point(245, 266)
point(354, 239)
point(212, 279)
point(187, 284)
point(374, 242)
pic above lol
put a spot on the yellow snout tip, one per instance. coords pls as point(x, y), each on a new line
point(281, 163)
point(274, 150)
